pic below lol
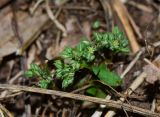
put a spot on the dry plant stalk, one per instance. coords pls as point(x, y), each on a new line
point(132, 63)
point(4, 112)
point(108, 103)
point(134, 26)
point(53, 18)
point(33, 9)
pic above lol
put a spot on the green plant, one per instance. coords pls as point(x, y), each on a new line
point(84, 56)
point(96, 24)
point(44, 75)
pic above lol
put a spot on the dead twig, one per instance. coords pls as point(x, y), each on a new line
point(82, 88)
point(53, 18)
point(134, 25)
point(152, 65)
point(72, 7)
point(33, 9)
point(15, 28)
point(1, 113)
point(109, 103)
point(5, 111)
point(11, 96)
point(141, 6)
point(131, 64)
point(108, 14)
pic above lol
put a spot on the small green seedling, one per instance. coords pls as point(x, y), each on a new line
point(44, 75)
point(84, 56)
point(96, 24)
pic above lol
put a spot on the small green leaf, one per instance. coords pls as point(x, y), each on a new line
point(67, 53)
point(67, 81)
point(43, 74)
point(96, 24)
point(107, 76)
point(59, 73)
point(46, 73)
point(36, 69)
point(28, 73)
point(34, 66)
point(96, 91)
point(92, 91)
point(116, 30)
point(95, 69)
point(44, 83)
point(86, 42)
point(75, 65)
point(100, 93)
point(91, 50)
point(58, 64)
point(80, 47)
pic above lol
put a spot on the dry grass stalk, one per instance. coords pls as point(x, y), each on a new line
point(5, 112)
point(53, 18)
point(108, 103)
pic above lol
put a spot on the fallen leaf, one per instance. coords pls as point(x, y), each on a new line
point(29, 28)
point(152, 74)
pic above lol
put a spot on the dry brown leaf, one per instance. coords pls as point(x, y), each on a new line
point(71, 25)
point(28, 28)
point(152, 74)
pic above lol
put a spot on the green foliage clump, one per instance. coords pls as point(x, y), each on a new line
point(114, 41)
point(75, 58)
point(43, 73)
point(84, 56)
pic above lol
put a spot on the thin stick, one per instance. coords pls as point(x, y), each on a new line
point(33, 9)
point(82, 88)
point(151, 64)
point(109, 103)
point(132, 63)
point(6, 111)
point(71, 7)
point(141, 6)
point(134, 25)
point(1, 113)
point(53, 18)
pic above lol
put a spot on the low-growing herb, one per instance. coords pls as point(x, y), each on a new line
point(44, 75)
point(83, 56)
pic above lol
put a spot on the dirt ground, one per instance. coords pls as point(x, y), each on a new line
point(36, 31)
